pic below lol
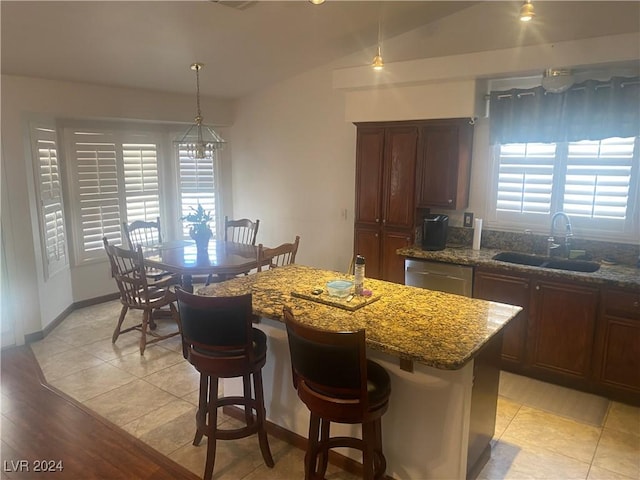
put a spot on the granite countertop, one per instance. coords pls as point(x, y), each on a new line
point(437, 329)
point(623, 276)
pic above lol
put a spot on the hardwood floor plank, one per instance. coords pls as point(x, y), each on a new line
point(40, 423)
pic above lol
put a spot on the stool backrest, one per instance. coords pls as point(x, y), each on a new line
point(216, 329)
point(327, 364)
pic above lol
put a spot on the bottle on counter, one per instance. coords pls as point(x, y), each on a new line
point(359, 275)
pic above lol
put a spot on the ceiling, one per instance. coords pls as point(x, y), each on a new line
point(248, 45)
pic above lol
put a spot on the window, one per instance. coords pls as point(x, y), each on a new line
point(593, 181)
point(113, 179)
point(198, 184)
point(50, 204)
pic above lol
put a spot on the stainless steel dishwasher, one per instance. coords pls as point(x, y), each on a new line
point(445, 277)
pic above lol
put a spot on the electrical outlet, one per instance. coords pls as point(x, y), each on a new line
point(468, 219)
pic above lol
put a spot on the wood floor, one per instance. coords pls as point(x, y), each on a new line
point(43, 429)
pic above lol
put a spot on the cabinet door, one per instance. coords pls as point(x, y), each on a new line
point(564, 317)
point(369, 160)
point(400, 150)
point(513, 290)
point(618, 349)
point(444, 164)
point(367, 244)
point(392, 263)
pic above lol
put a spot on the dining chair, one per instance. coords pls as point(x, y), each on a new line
point(284, 254)
point(141, 232)
point(241, 231)
point(219, 340)
point(127, 268)
point(147, 234)
point(237, 231)
point(338, 384)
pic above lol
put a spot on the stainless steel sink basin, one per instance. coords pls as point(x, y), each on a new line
point(520, 258)
point(545, 262)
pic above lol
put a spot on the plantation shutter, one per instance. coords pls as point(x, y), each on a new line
point(141, 181)
point(51, 208)
point(598, 178)
point(197, 185)
point(525, 177)
point(112, 181)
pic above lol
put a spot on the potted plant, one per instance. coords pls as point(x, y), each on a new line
point(199, 230)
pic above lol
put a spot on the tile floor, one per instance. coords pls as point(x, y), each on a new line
point(154, 398)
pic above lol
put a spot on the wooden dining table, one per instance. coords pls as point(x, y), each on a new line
point(223, 259)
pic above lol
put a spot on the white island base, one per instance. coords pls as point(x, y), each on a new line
point(439, 422)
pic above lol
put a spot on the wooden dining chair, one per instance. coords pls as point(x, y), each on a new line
point(338, 384)
point(284, 254)
point(127, 268)
point(147, 234)
point(141, 232)
point(238, 231)
point(241, 231)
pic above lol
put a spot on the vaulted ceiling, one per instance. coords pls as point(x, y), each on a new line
point(246, 45)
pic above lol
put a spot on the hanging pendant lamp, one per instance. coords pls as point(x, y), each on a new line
point(526, 11)
point(200, 141)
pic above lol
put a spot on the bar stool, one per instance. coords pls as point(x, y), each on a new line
point(338, 384)
point(218, 339)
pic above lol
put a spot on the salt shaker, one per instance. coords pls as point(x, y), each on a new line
point(359, 274)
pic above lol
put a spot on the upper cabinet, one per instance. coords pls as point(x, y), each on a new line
point(385, 173)
point(385, 196)
point(444, 163)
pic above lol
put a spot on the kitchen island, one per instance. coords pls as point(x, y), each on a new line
point(441, 351)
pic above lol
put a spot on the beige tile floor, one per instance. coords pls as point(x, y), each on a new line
point(154, 398)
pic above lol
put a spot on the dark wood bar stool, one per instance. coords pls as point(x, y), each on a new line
point(218, 339)
point(337, 383)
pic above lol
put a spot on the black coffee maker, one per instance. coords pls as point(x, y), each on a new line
point(434, 231)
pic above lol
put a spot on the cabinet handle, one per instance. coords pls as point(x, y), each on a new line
point(377, 220)
point(384, 220)
point(636, 304)
point(537, 287)
point(450, 201)
point(376, 235)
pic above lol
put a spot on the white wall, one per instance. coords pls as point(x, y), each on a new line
point(294, 168)
point(38, 302)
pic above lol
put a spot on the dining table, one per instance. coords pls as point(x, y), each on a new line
point(222, 259)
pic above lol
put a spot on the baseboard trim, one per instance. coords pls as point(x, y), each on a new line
point(41, 334)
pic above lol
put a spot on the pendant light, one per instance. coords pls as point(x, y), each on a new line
point(377, 63)
point(526, 11)
point(200, 141)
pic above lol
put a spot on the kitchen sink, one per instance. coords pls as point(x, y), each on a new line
point(520, 258)
point(546, 262)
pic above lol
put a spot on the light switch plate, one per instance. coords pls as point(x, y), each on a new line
point(468, 219)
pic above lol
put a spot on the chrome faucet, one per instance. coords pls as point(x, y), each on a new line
point(551, 241)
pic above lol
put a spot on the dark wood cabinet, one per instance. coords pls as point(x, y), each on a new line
point(617, 357)
point(444, 163)
point(385, 196)
point(514, 290)
point(563, 320)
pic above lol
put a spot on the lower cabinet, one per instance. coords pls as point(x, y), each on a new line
point(617, 348)
point(571, 333)
point(562, 326)
point(378, 246)
point(515, 291)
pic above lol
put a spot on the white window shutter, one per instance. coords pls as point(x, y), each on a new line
point(198, 185)
point(51, 207)
point(598, 178)
point(525, 178)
